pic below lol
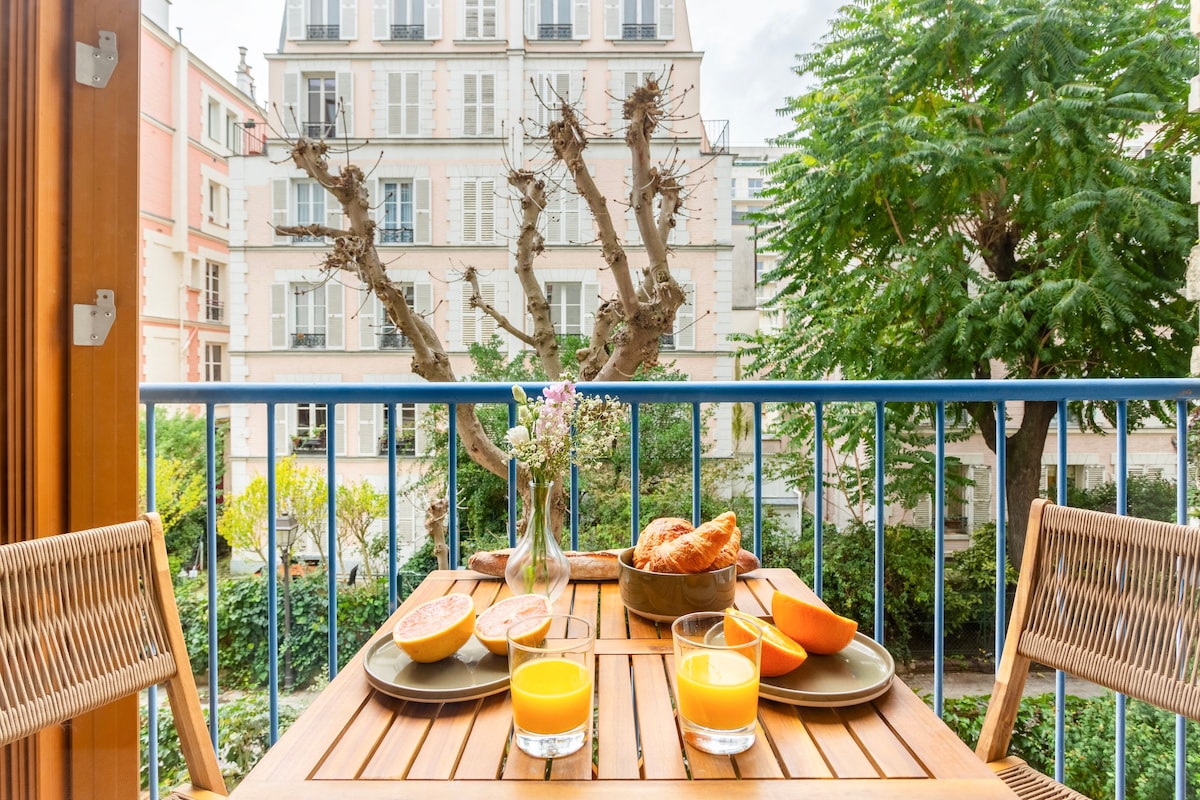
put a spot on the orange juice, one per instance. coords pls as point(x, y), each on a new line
point(551, 695)
point(718, 690)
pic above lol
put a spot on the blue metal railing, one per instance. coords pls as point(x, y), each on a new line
point(758, 394)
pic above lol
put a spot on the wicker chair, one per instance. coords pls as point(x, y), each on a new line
point(88, 618)
point(1111, 599)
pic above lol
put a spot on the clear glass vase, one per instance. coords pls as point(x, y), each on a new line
point(538, 565)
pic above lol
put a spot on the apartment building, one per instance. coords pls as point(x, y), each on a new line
point(192, 122)
point(434, 99)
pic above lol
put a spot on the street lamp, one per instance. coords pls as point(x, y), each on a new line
point(285, 538)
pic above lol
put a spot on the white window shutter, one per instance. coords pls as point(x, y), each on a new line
point(279, 206)
point(571, 217)
point(333, 211)
point(369, 310)
point(420, 439)
point(395, 103)
point(632, 81)
point(470, 317)
point(412, 104)
point(582, 24)
point(295, 19)
point(470, 211)
point(291, 103)
point(487, 211)
point(487, 100)
point(380, 20)
point(349, 21)
point(339, 429)
point(433, 19)
point(487, 324)
point(981, 496)
point(368, 439)
point(468, 19)
point(345, 92)
point(923, 513)
point(591, 302)
point(492, 13)
point(279, 337)
point(284, 415)
point(612, 19)
point(666, 19)
point(423, 299)
point(1045, 489)
point(685, 330)
point(335, 316)
point(422, 213)
point(470, 104)
point(530, 19)
point(1093, 476)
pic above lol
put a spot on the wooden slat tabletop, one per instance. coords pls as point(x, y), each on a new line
point(355, 742)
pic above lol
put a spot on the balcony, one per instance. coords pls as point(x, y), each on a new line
point(308, 341)
point(758, 400)
point(393, 340)
point(322, 32)
point(320, 130)
point(407, 33)
point(554, 31)
point(635, 31)
point(394, 235)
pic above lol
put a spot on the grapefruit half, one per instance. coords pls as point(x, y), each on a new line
point(436, 629)
point(491, 625)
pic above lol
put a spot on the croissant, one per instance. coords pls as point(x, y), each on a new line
point(660, 531)
point(694, 551)
point(729, 553)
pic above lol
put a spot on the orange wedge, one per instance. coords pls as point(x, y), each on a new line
point(492, 625)
point(436, 629)
point(815, 628)
point(780, 654)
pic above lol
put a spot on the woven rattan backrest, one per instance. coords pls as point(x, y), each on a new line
point(88, 618)
point(1116, 600)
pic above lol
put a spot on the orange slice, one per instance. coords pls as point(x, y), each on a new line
point(780, 654)
point(436, 629)
point(492, 624)
point(815, 628)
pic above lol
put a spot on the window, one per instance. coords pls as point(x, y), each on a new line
point(552, 88)
point(311, 425)
point(308, 315)
point(759, 268)
point(232, 140)
point(310, 208)
point(397, 224)
point(321, 117)
point(554, 21)
point(408, 20)
point(404, 104)
point(684, 336)
point(214, 120)
point(639, 19)
point(479, 19)
point(478, 327)
point(478, 215)
point(754, 187)
point(733, 188)
point(212, 362)
point(406, 430)
point(479, 104)
point(216, 203)
point(564, 218)
point(566, 308)
point(213, 308)
point(390, 337)
point(323, 19)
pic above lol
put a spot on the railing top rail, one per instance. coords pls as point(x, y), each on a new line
point(952, 391)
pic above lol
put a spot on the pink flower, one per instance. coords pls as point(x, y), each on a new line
point(561, 392)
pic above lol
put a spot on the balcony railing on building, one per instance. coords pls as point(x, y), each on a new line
point(395, 235)
point(320, 130)
point(407, 33)
point(394, 340)
point(306, 238)
point(406, 445)
point(716, 136)
point(253, 139)
point(302, 340)
point(323, 32)
point(639, 31)
point(555, 30)
point(310, 442)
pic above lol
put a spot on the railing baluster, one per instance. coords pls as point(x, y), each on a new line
point(635, 437)
point(210, 468)
point(818, 500)
point(1001, 530)
point(574, 507)
point(758, 435)
point(879, 505)
point(1060, 678)
point(272, 580)
point(452, 488)
point(696, 465)
point(1122, 508)
point(939, 556)
point(151, 692)
point(393, 590)
point(512, 483)
point(331, 530)
point(1181, 512)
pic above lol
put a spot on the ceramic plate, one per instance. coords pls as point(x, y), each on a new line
point(859, 672)
point(471, 673)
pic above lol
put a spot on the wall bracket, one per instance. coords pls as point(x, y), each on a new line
point(95, 65)
point(92, 323)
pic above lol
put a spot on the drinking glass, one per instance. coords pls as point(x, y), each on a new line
point(551, 683)
point(716, 683)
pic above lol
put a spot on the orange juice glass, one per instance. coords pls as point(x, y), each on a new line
point(551, 683)
point(716, 685)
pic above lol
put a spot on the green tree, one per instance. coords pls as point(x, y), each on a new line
point(358, 507)
point(299, 491)
point(981, 189)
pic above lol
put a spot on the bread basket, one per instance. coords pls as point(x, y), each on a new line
point(662, 597)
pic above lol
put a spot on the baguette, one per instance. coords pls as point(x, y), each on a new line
point(598, 565)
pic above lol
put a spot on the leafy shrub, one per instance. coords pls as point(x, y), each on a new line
point(1145, 496)
point(244, 733)
point(1090, 726)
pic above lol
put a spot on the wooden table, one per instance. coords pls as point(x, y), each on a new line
point(354, 742)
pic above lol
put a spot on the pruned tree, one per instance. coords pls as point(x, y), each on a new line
point(628, 324)
point(358, 507)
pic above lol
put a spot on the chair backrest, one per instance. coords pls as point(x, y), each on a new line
point(90, 617)
point(1111, 599)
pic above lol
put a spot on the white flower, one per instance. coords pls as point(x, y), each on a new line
point(518, 436)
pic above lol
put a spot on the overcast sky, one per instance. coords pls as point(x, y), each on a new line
point(749, 49)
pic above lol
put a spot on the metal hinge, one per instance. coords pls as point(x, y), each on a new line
point(95, 65)
point(92, 323)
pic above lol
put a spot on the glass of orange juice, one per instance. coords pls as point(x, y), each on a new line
point(551, 664)
point(716, 684)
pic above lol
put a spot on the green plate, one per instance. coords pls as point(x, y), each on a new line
point(861, 671)
point(469, 674)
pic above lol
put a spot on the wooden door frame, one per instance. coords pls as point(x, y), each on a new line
point(69, 167)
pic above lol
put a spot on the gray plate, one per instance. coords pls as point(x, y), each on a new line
point(861, 671)
point(469, 674)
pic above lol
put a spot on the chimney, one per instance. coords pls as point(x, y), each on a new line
point(244, 82)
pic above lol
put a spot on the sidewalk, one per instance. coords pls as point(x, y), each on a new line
point(964, 684)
